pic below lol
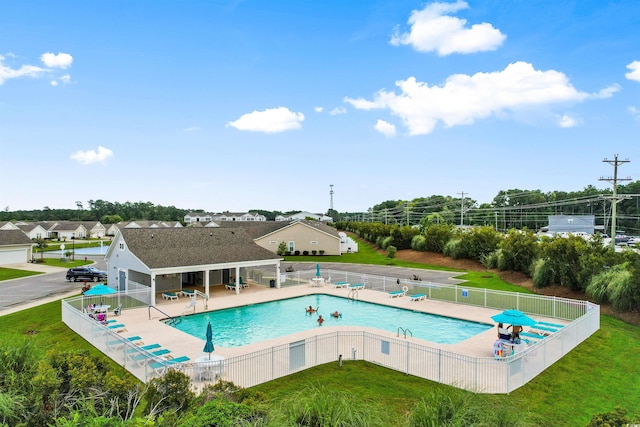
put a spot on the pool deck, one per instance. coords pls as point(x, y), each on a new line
point(147, 324)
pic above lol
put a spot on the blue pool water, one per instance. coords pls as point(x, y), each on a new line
point(235, 327)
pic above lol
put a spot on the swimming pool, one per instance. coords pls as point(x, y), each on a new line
point(235, 327)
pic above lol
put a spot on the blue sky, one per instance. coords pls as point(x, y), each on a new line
point(234, 105)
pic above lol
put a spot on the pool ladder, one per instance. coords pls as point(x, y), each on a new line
point(353, 294)
point(404, 332)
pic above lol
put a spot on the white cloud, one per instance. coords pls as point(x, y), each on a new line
point(54, 83)
point(634, 74)
point(7, 73)
point(61, 60)
point(319, 109)
point(271, 120)
point(338, 110)
point(566, 121)
point(433, 31)
point(635, 112)
point(90, 156)
point(462, 99)
point(193, 129)
point(385, 128)
point(65, 79)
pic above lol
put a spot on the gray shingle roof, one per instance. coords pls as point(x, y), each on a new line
point(176, 247)
point(14, 237)
point(262, 228)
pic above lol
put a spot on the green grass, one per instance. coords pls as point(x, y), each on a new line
point(12, 273)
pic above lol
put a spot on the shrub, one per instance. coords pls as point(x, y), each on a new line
point(541, 273)
point(305, 253)
point(614, 285)
point(314, 252)
point(169, 392)
point(418, 242)
point(491, 260)
point(296, 253)
point(391, 251)
point(386, 242)
point(616, 418)
point(454, 249)
point(282, 248)
point(321, 251)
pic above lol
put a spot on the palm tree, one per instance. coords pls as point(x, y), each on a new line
point(41, 245)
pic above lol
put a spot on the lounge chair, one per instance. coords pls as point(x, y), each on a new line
point(169, 295)
point(160, 367)
point(231, 286)
point(243, 284)
point(143, 357)
point(550, 325)
point(417, 297)
point(530, 335)
point(340, 284)
point(356, 286)
point(119, 343)
point(188, 292)
point(394, 294)
point(539, 327)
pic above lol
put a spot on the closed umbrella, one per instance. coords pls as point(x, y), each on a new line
point(514, 317)
point(208, 346)
point(317, 270)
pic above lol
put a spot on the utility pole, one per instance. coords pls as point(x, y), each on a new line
point(462, 209)
point(614, 198)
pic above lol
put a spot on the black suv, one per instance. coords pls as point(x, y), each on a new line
point(86, 274)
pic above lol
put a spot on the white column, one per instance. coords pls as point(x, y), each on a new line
point(206, 282)
point(278, 275)
point(153, 289)
point(237, 280)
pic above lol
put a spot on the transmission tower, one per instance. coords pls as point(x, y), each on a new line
point(462, 208)
point(615, 199)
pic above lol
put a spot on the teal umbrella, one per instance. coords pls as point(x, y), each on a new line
point(100, 290)
point(317, 270)
point(208, 346)
point(514, 317)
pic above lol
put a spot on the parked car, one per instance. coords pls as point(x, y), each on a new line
point(86, 274)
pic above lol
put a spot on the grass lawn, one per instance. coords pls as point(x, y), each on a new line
point(12, 273)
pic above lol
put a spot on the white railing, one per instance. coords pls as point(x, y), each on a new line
point(482, 375)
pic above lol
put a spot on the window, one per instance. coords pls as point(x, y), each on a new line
point(292, 247)
point(122, 246)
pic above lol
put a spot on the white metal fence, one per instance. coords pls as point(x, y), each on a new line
point(483, 375)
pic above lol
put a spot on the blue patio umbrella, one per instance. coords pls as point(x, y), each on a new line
point(208, 346)
point(317, 270)
point(98, 290)
point(514, 317)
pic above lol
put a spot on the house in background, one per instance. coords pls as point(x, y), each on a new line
point(15, 247)
point(300, 235)
point(33, 230)
point(584, 224)
point(168, 259)
point(113, 228)
point(305, 215)
point(195, 217)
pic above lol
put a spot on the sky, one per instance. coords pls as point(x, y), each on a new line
point(269, 104)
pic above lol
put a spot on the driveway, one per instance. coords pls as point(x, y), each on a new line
point(18, 294)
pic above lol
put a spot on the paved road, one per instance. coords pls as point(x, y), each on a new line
point(402, 273)
point(16, 293)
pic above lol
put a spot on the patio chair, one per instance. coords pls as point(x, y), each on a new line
point(117, 310)
point(417, 297)
point(356, 286)
point(188, 292)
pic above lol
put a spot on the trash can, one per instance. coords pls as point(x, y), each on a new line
point(272, 283)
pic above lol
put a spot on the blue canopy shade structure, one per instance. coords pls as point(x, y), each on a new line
point(317, 270)
point(514, 317)
point(208, 347)
point(100, 290)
